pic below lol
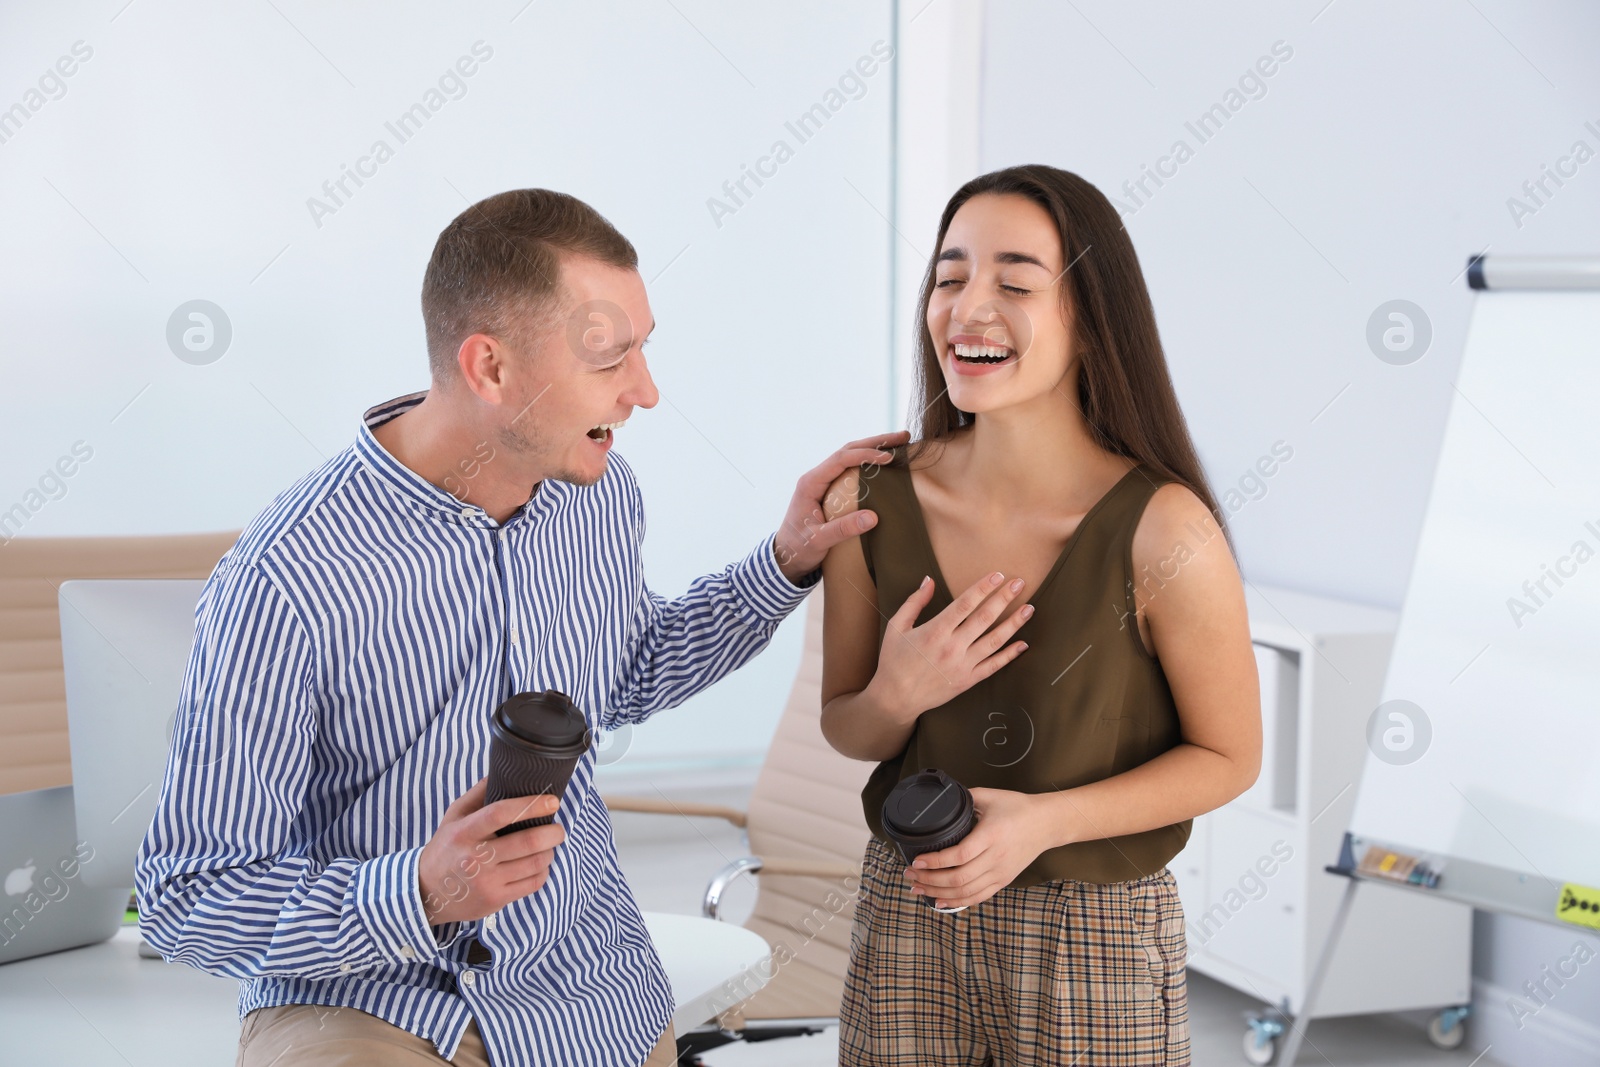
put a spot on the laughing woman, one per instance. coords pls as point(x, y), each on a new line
point(1048, 610)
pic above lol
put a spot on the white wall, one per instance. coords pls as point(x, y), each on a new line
point(1379, 156)
point(178, 162)
point(937, 125)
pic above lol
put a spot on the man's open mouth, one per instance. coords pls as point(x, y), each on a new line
point(982, 354)
point(603, 431)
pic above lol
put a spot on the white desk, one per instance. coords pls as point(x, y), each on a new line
point(103, 1004)
point(712, 965)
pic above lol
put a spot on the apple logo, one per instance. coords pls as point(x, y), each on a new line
point(20, 880)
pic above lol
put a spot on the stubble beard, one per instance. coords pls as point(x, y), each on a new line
point(525, 440)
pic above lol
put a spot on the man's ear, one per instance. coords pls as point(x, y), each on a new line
point(481, 360)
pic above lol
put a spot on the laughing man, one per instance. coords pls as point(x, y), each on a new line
point(322, 833)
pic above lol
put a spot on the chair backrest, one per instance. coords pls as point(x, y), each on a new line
point(806, 805)
point(33, 701)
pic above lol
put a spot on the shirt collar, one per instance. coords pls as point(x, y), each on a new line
point(407, 484)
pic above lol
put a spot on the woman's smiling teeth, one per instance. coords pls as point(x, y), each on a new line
point(982, 353)
point(599, 432)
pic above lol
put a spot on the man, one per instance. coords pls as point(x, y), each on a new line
point(322, 834)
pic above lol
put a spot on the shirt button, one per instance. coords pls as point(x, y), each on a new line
point(489, 922)
point(468, 512)
point(408, 952)
point(344, 968)
point(469, 979)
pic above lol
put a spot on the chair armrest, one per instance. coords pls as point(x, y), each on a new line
point(711, 906)
point(811, 868)
point(651, 806)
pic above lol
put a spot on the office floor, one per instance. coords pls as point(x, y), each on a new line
point(668, 860)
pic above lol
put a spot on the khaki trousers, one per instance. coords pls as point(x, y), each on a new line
point(314, 1035)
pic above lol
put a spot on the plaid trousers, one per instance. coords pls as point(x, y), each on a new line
point(1061, 974)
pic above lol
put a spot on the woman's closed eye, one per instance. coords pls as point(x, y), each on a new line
point(1014, 290)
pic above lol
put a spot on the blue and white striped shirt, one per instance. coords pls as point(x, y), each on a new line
point(348, 651)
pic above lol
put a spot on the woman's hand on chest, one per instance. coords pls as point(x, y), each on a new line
point(922, 667)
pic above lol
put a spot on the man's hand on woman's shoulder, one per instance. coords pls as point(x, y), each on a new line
point(814, 523)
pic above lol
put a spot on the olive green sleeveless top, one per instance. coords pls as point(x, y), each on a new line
point(1083, 703)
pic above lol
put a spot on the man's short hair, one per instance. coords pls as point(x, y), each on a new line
point(496, 269)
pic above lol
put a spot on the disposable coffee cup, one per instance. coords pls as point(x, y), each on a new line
point(535, 742)
point(926, 812)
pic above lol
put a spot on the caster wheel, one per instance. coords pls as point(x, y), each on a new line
point(1258, 1051)
point(1448, 1028)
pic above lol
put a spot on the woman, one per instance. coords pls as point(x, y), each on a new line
point(1092, 683)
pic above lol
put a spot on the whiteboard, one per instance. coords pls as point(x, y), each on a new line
point(1499, 636)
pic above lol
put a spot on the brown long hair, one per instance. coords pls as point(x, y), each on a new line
point(1124, 390)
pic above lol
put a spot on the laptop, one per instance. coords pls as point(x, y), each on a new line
point(45, 905)
point(66, 854)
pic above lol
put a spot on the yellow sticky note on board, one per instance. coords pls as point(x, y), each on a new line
point(1579, 904)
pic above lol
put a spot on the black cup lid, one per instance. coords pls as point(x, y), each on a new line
point(928, 802)
point(549, 718)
